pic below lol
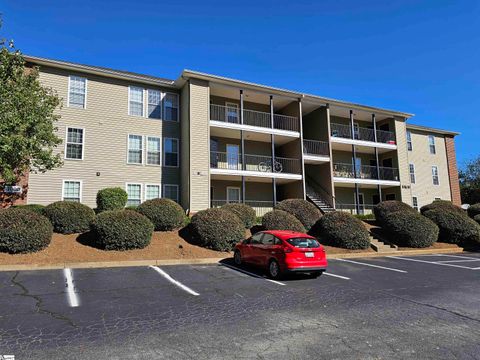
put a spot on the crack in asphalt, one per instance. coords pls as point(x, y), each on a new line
point(39, 302)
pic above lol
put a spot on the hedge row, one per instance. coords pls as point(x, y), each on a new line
point(410, 229)
point(385, 208)
point(304, 211)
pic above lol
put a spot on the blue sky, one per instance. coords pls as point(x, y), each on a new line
point(421, 57)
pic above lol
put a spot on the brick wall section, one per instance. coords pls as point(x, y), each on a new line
point(452, 170)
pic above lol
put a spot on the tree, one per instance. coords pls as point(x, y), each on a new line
point(469, 178)
point(27, 119)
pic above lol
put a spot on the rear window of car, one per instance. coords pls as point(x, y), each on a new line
point(303, 242)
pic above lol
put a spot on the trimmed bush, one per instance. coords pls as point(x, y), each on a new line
point(23, 231)
point(281, 220)
point(305, 211)
point(340, 229)
point(383, 209)
point(455, 228)
point(474, 210)
point(477, 218)
point(165, 214)
point(68, 217)
point(122, 230)
point(442, 205)
point(244, 212)
point(36, 208)
point(217, 229)
point(111, 199)
point(410, 229)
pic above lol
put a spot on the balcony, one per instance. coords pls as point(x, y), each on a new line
point(315, 148)
point(259, 165)
point(365, 172)
point(361, 133)
point(231, 115)
point(260, 207)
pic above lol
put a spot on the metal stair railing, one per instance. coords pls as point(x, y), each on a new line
point(318, 189)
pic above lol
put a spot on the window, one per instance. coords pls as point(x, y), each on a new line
point(435, 175)
point(77, 90)
point(154, 104)
point(135, 145)
point(431, 144)
point(74, 144)
point(72, 190)
point(268, 239)
point(415, 203)
point(153, 151)
point(135, 96)
point(409, 140)
point(152, 192)
point(134, 192)
point(389, 197)
point(412, 173)
point(170, 192)
point(257, 238)
point(170, 152)
point(170, 107)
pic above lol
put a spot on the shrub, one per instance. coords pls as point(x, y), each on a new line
point(442, 205)
point(370, 216)
point(23, 231)
point(111, 199)
point(281, 220)
point(122, 230)
point(477, 218)
point(306, 212)
point(410, 229)
point(244, 212)
point(343, 230)
point(69, 217)
point(455, 228)
point(165, 214)
point(36, 208)
point(474, 210)
point(217, 229)
point(383, 209)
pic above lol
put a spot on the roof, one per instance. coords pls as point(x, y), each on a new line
point(432, 130)
point(287, 234)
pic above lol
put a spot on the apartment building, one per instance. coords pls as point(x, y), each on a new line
point(206, 140)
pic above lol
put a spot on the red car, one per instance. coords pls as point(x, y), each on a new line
point(281, 251)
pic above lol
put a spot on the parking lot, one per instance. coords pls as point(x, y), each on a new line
point(370, 308)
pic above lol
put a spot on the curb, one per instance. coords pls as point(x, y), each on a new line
point(131, 263)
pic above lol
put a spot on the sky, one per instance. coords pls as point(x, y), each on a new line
point(420, 57)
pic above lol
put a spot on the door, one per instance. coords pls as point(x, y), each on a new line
point(376, 199)
point(233, 194)
point(387, 162)
point(358, 167)
point(356, 131)
point(361, 204)
point(214, 153)
point(265, 249)
point(254, 252)
point(232, 113)
point(233, 157)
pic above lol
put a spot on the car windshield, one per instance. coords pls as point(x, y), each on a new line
point(303, 242)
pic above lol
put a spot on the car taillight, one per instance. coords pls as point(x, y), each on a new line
point(287, 250)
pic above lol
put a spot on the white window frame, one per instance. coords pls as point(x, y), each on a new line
point(409, 141)
point(239, 194)
point(142, 149)
point(412, 174)
point(66, 143)
point(141, 191)
point(159, 150)
point(72, 180)
point(438, 176)
point(143, 100)
point(165, 153)
point(86, 90)
point(416, 207)
point(430, 145)
point(159, 191)
point(176, 186)
point(164, 94)
point(147, 115)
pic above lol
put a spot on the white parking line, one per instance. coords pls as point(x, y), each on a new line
point(173, 281)
point(252, 274)
point(431, 262)
point(371, 265)
point(451, 261)
point(337, 276)
point(454, 256)
point(72, 296)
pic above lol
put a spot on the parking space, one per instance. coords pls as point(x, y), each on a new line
point(113, 302)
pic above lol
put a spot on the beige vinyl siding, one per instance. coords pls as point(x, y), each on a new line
point(107, 125)
point(185, 147)
point(199, 145)
point(402, 159)
point(420, 156)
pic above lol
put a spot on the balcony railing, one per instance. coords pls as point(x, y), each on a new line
point(261, 163)
point(364, 209)
point(365, 172)
point(361, 133)
point(315, 147)
point(260, 207)
point(231, 114)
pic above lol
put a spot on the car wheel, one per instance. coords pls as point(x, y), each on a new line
point(274, 269)
point(237, 257)
point(315, 274)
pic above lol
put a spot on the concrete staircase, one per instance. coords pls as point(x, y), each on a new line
point(315, 198)
point(377, 242)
